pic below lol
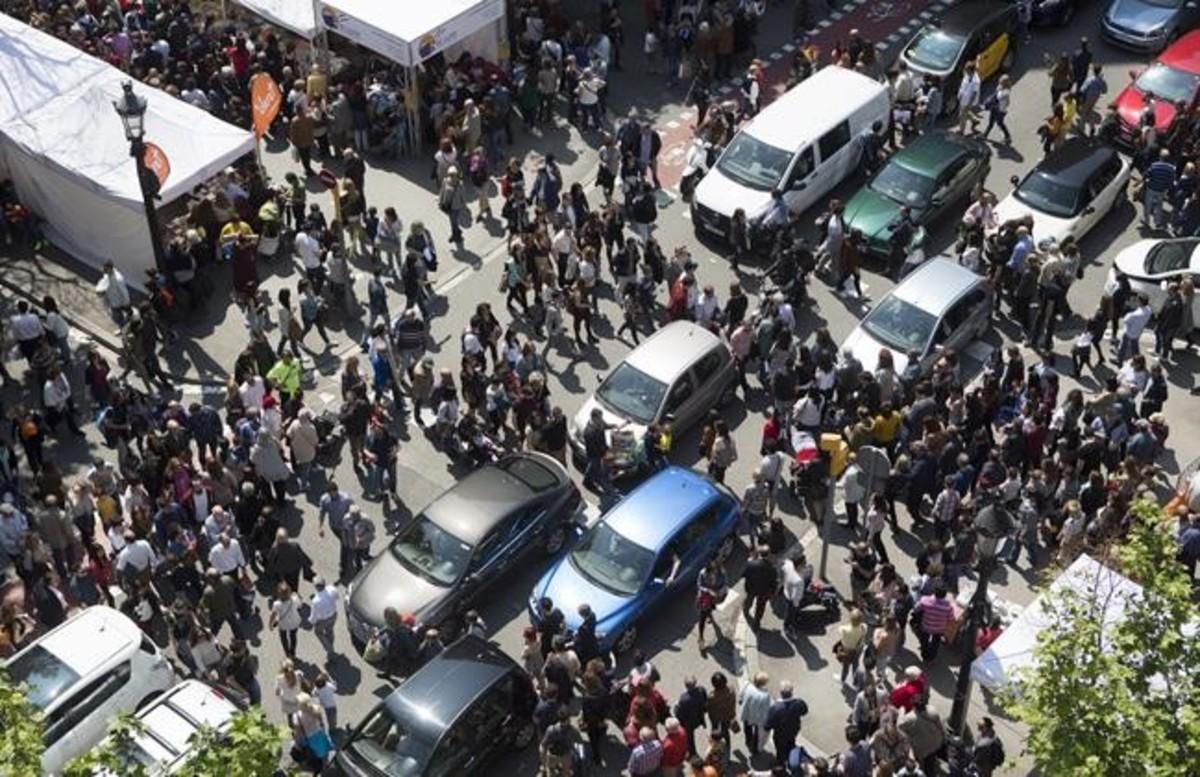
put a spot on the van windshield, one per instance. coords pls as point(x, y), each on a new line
point(754, 164)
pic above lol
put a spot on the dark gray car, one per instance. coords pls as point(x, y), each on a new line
point(467, 705)
point(464, 541)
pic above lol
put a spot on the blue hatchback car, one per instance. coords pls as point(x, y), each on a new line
point(642, 553)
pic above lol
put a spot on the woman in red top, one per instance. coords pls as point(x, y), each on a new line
point(675, 748)
point(239, 58)
point(905, 695)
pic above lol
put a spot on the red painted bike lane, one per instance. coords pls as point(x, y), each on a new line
point(886, 23)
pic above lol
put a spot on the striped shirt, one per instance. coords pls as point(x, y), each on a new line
point(935, 614)
point(645, 758)
point(1160, 176)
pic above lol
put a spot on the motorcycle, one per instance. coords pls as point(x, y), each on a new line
point(699, 160)
point(816, 592)
point(914, 255)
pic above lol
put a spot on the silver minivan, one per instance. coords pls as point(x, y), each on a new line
point(940, 305)
point(682, 371)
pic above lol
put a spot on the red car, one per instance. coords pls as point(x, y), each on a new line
point(1171, 79)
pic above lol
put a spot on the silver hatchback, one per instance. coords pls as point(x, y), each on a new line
point(681, 371)
point(940, 305)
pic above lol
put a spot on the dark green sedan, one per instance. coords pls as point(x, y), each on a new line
point(929, 175)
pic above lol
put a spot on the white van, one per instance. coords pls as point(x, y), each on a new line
point(802, 143)
point(83, 674)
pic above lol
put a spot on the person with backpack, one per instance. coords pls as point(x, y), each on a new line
point(453, 202)
point(480, 175)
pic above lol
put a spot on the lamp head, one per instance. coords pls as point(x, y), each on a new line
point(132, 110)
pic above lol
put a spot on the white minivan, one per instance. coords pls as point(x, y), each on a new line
point(83, 674)
point(803, 144)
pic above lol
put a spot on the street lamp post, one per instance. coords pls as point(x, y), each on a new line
point(992, 524)
point(132, 110)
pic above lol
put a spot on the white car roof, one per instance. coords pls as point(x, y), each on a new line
point(172, 720)
point(800, 115)
point(92, 639)
point(672, 349)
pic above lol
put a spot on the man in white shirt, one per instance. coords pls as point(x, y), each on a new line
point(1132, 325)
point(113, 288)
point(26, 328)
point(60, 404)
point(968, 98)
point(588, 93)
point(217, 523)
point(226, 556)
point(323, 609)
point(134, 560)
point(308, 248)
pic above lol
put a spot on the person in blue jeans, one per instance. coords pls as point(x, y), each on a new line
point(1160, 180)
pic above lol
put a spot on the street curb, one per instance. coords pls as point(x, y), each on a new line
point(93, 332)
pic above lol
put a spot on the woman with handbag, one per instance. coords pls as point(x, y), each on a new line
point(453, 202)
point(710, 590)
point(285, 616)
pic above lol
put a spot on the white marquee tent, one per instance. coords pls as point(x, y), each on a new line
point(294, 15)
point(411, 31)
point(1013, 649)
point(63, 145)
point(405, 31)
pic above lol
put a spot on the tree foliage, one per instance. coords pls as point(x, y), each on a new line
point(1122, 699)
point(249, 747)
point(20, 731)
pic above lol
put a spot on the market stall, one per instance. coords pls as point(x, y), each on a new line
point(63, 146)
point(410, 33)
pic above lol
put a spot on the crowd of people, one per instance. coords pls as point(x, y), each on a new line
point(182, 518)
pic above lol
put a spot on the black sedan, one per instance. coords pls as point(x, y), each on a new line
point(464, 542)
point(454, 715)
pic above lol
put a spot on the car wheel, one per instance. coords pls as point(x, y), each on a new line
point(555, 540)
point(626, 641)
point(523, 737)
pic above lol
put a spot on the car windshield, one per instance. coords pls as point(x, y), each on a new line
point(632, 393)
point(431, 551)
point(752, 163)
point(900, 325)
point(45, 675)
point(612, 562)
point(1171, 257)
point(386, 745)
point(1046, 193)
point(903, 185)
point(934, 49)
point(1167, 83)
point(535, 476)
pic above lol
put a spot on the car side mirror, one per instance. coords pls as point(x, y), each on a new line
point(658, 582)
point(799, 186)
point(471, 579)
point(1133, 74)
point(1014, 180)
point(1089, 210)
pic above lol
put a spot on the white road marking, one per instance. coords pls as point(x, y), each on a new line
point(789, 47)
point(837, 16)
point(824, 24)
point(893, 38)
point(881, 46)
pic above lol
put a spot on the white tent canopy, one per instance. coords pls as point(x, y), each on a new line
point(294, 15)
point(411, 31)
point(63, 145)
point(1013, 649)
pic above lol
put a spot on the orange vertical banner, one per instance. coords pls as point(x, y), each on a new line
point(265, 102)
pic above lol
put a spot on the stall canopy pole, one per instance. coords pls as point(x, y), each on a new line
point(321, 38)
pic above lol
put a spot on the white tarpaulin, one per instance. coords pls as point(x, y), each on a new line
point(409, 31)
point(294, 15)
point(1013, 649)
point(63, 145)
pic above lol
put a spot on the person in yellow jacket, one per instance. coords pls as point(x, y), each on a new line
point(286, 376)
